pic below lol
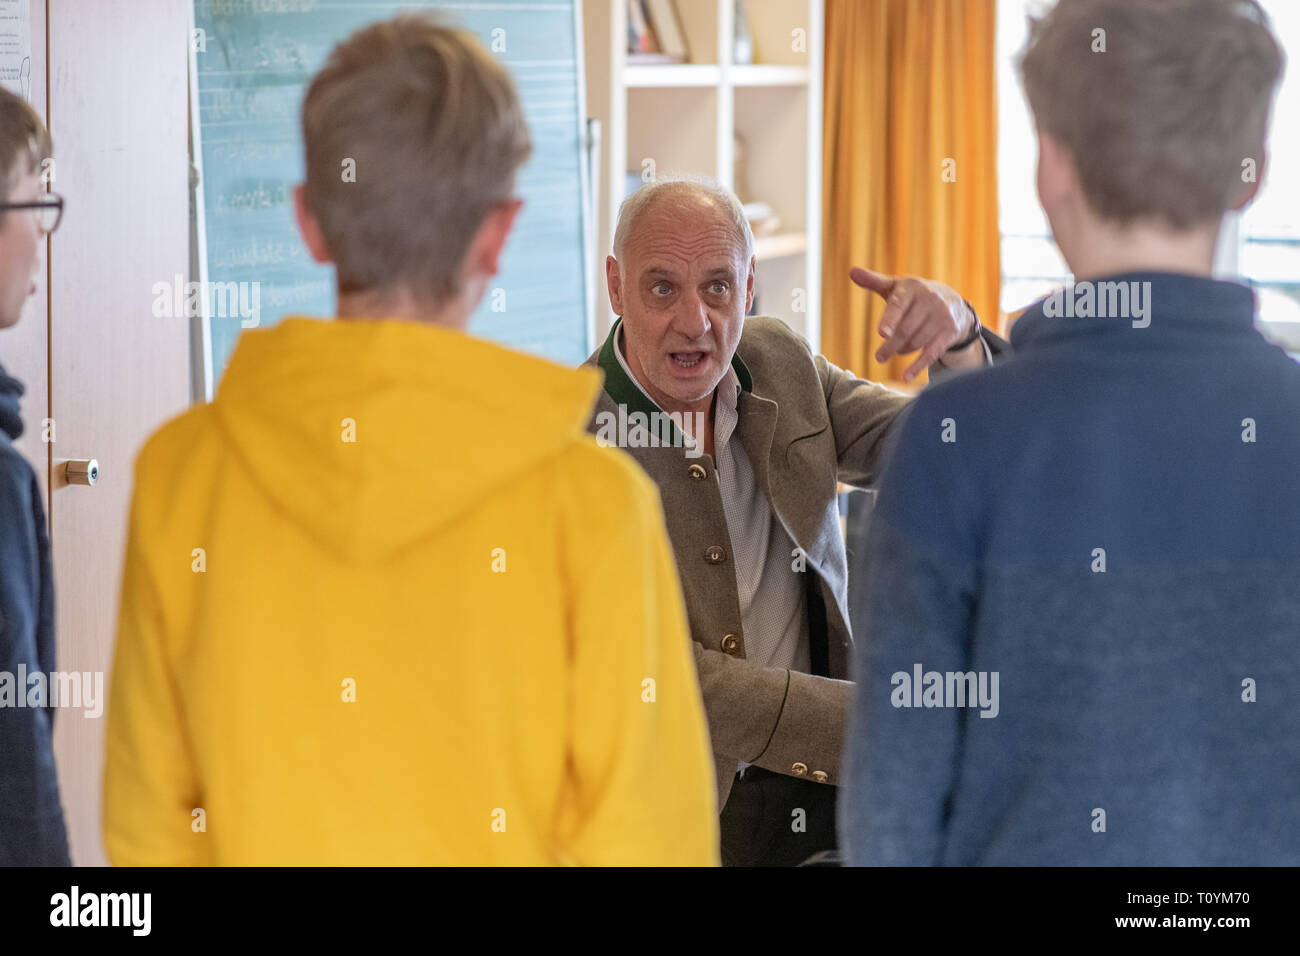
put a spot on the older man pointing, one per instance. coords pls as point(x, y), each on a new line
point(751, 506)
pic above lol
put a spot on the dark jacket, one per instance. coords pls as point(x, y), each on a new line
point(31, 817)
point(1109, 524)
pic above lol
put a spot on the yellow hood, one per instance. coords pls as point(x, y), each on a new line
point(372, 434)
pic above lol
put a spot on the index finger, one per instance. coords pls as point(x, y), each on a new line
point(877, 282)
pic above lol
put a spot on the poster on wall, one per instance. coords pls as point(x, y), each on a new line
point(16, 46)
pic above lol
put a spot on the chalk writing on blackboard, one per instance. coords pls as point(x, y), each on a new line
point(250, 74)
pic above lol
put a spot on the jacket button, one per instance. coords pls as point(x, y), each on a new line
point(799, 769)
point(730, 643)
point(714, 554)
point(820, 776)
point(697, 472)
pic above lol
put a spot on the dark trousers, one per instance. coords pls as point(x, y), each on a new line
point(760, 825)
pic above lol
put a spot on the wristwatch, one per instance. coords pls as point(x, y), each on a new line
point(974, 335)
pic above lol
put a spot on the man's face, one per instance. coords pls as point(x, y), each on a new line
point(683, 288)
point(20, 251)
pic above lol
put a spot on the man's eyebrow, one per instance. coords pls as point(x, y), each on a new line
point(655, 272)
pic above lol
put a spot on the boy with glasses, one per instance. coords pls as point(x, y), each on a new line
point(31, 818)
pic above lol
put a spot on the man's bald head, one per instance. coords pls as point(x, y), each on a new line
point(692, 198)
point(682, 279)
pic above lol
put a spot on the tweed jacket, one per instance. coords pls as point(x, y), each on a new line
point(805, 426)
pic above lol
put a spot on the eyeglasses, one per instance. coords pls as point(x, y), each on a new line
point(48, 210)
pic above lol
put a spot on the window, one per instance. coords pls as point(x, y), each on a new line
point(1031, 265)
point(1263, 243)
point(1260, 246)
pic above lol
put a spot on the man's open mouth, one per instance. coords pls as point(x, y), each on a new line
point(687, 359)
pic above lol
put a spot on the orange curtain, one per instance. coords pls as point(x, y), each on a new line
point(909, 163)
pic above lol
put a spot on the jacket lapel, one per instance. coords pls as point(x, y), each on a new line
point(757, 427)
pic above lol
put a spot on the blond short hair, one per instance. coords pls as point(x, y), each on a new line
point(22, 137)
point(435, 133)
point(1160, 124)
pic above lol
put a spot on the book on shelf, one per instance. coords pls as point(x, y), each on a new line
point(639, 37)
point(654, 33)
point(667, 28)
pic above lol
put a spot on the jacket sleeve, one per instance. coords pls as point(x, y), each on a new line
point(32, 831)
point(643, 783)
point(861, 415)
point(771, 717)
point(995, 346)
point(916, 605)
point(862, 412)
point(996, 349)
point(151, 787)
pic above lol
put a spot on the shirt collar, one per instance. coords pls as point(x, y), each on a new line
point(623, 388)
point(1173, 303)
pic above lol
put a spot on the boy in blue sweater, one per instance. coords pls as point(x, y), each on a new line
point(1081, 611)
point(31, 819)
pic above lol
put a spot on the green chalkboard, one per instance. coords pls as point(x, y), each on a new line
point(252, 62)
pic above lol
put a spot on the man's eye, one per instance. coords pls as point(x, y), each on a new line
point(719, 287)
point(661, 288)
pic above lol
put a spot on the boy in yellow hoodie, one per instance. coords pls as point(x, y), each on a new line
point(384, 601)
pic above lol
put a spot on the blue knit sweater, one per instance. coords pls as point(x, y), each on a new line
point(31, 818)
point(1112, 531)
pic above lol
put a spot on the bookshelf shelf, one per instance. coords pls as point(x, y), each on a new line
point(763, 74)
point(655, 75)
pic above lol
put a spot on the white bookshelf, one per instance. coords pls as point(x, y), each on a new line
point(684, 117)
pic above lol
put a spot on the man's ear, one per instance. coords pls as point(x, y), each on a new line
point(309, 227)
point(749, 286)
point(1058, 177)
point(614, 283)
point(485, 251)
point(1249, 190)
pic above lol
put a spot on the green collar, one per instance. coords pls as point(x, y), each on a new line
point(620, 387)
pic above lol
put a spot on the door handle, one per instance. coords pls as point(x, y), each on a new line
point(81, 471)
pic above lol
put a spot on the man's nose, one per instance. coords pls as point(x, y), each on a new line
point(692, 320)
